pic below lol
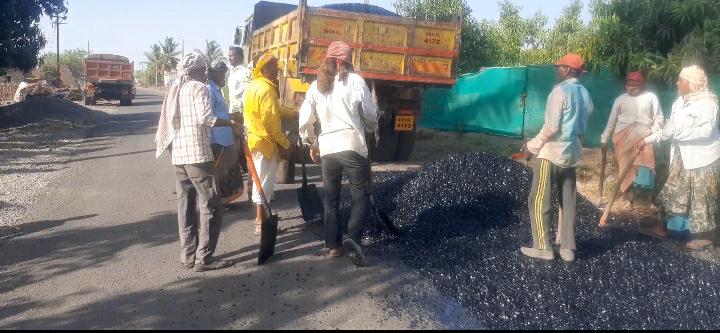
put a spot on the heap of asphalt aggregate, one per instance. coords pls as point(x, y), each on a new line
point(38, 109)
point(464, 219)
point(360, 8)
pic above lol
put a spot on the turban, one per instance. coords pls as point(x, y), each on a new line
point(218, 66)
point(261, 63)
point(636, 76)
point(340, 50)
point(192, 61)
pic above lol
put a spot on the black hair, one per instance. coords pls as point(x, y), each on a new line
point(239, 51)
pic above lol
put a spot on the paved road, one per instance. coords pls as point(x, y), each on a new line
point(100, 250)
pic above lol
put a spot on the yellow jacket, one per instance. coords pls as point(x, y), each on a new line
point(263, 118)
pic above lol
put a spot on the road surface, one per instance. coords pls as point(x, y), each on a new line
point(101, 251)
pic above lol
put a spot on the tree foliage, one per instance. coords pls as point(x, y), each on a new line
point(512, 40)
point(213, 51)
point(20, 36)
point(73, 59)
point(656, 36)
point(162, 57)
point(473, 54)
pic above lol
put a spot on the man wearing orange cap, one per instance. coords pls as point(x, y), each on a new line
point(558, 150)
point(342, 104)
point(635, 115)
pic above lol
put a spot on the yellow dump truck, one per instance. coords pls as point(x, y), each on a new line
point(397, 56)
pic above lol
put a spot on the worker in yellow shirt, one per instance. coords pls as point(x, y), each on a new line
point(263, 122)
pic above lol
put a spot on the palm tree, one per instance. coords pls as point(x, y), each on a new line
point(213, 51)
point(163, 57)
point(169, 55)
point(153, 59)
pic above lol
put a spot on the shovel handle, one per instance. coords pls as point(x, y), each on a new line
point(255, 178)
point(606, 213)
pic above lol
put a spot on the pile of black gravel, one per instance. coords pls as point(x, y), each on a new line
point(360, 8)
point(38, 109)
point(464, 219)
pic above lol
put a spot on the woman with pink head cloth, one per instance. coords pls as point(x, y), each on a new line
point(341, 103)
point(689, 199)
point(635, 114)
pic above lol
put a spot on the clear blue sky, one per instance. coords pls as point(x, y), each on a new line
point(129, 27)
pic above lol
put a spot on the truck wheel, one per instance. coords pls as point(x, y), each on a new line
point(88, 101)
point(126, 102)
point(384, 149)
point(406, 142)
point(286, 172)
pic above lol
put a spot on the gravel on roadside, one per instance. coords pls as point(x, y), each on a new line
point(33, 154)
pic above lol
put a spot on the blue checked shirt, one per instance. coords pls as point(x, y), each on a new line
point(220, 135)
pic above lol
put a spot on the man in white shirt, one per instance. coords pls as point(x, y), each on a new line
point(342, 103)
point(239, 76)
point(635, 115)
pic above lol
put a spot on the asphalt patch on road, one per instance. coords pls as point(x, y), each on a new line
point(464, 219)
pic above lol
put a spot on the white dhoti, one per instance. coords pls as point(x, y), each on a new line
point(266, 169)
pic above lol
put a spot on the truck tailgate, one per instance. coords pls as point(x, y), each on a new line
point(386, 47)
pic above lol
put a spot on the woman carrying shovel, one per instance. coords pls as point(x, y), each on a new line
point(689, 200)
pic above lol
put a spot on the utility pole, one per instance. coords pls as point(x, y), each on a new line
point(57, 28)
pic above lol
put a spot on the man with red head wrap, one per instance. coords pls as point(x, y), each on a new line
point(635, 115)
point(342, 104)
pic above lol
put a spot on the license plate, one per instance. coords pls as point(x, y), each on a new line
point(115, 66)
point(404, 123)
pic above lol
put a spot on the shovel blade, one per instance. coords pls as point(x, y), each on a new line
point(310, 203)
point(268, 239)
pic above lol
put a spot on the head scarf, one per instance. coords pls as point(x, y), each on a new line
point(218, 66)
point(636, 76)
point(699, 87)
point(261, 63)
point(168, 124)
point(340, 50)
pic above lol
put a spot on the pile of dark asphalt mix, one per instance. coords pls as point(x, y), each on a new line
point(39, 109)
point(464, 220)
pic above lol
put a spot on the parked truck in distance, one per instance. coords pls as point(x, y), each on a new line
point(110, 77)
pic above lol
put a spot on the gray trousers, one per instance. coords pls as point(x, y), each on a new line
point(545, 175)
point(199, 211)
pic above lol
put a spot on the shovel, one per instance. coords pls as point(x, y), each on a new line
point(268, 229)
point(603, 165)
point(308, 196)
point(606, 213)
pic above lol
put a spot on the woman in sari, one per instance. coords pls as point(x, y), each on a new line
point(689, 199)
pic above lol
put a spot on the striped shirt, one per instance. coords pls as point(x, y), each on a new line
point(191, 142)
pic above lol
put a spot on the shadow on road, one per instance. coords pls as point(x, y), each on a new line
point(299, 281)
